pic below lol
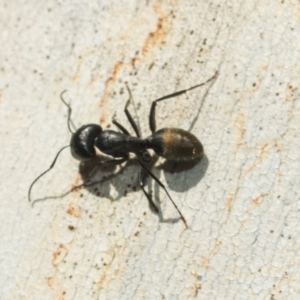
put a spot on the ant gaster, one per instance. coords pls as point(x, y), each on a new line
point(173, 144)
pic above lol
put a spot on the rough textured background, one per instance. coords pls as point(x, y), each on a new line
point(241, 202)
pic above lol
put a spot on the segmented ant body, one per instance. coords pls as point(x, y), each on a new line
point(173, 144)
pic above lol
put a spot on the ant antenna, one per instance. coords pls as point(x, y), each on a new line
point(69, 110)
point(161, 185)
point(58, 153)
point(52, 165)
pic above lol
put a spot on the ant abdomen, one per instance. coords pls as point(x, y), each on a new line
point(176, 144)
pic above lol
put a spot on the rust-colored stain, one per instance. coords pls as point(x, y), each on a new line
point(204, 261)
point(258, 160)
point(50, 281)
point(217, 248)
point(158, 35)
point(74, 211)
point(265, 67)
point(60, 253)
point(262, 152)
point(75, 184)
point(258, 199)
point(118, 271)
point(108, 258)
point(195, 289)
point(229, 203)
point(241, 127)
point(101, 281)
point(135, 60)
point(197, 285)
point(154, 37)
point(114, 73)
point(108, 83)
point(289, 93)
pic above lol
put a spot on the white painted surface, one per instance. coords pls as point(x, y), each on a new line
point(243, 213)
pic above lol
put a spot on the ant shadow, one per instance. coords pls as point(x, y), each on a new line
point(98, 179)
point(190, 172)
point(196, 171)
point(93, 173)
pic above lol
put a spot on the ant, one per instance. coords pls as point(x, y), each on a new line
point(173, 144)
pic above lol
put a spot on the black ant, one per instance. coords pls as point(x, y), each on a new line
point(173, 144)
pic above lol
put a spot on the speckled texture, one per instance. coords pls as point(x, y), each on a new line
point(241, 201)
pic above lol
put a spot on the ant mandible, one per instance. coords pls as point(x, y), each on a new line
point(173, 144)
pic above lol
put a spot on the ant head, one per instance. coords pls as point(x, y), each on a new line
point(82, 142)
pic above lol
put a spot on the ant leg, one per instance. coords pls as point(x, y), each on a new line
point(113, 162)
point(110, 162)
point(153, 106)
point(128, 115)
point(142, 181)
point(52, 165)
point(161, 185)
point(121, 127)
